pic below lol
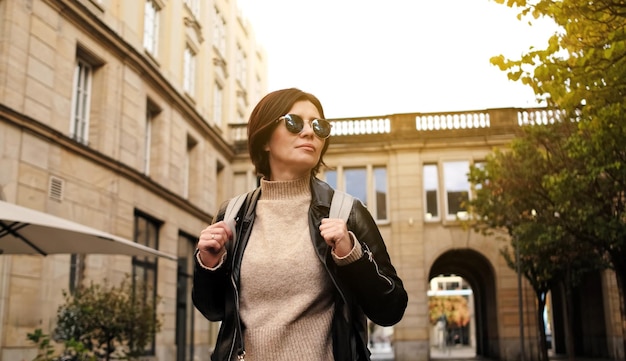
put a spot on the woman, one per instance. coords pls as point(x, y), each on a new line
point(296, 284)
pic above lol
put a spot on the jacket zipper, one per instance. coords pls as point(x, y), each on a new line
point(242, 353)
point(371, 259)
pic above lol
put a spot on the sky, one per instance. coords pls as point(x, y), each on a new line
point(374, 58)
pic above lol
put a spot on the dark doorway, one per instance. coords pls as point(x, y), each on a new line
point(590, 338)
point(476, 270)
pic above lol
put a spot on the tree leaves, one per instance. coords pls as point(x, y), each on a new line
point(582, 72)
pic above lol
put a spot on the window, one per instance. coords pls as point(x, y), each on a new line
point(77, 271)
point(218, 96)
point(184, 304)
point(331, 178)
point(457, 188)
point(151, 113)
point(479, 165)
point(355, 183)
point(189, 75)
point(220, 182)
point(431, 197)
point(87, 106)
point(81, 100)
point(147, 143)
point(368, 184)
point(194, 7)
point(380, 188)
point(219, 33)
point(145, 267)
point(258, 87)
point(190, 163)
point(151, 27)
point(241, 67)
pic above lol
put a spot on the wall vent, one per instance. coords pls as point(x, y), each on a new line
point(55, 188)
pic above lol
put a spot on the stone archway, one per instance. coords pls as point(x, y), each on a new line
point(478, 272)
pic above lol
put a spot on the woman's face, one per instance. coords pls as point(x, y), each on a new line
point(293, 156)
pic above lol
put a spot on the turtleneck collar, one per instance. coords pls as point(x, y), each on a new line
point(292, 189)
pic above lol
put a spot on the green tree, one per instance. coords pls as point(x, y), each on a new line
point(102, 321)
point(514, 199)
point(582, 71)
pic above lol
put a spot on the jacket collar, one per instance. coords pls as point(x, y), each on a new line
point(321, 193)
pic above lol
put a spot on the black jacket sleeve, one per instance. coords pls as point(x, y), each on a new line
point(210, 288)
point(372, 279)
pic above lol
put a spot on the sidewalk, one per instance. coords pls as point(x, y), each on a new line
point(451, 353)
point(384, 352)
point(458, 352)
point(564, 358)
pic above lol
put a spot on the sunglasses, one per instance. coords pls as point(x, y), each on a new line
point(295, 124)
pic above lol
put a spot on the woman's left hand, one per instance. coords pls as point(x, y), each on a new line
point(335, 233)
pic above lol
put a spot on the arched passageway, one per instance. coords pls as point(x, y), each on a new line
point(478, 272)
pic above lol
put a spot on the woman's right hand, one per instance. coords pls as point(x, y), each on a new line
point(212, 241)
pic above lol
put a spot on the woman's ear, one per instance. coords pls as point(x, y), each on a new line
point(266, 147)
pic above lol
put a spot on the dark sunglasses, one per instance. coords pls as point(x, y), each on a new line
point(295, 124)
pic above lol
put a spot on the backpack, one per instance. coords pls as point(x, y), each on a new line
point(340, 207)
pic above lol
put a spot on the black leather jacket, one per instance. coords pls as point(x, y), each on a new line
point(368, 287)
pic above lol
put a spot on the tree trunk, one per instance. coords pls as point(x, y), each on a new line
point(541, 305)
point(619, 265)
point(569, 312)
point(110, 349)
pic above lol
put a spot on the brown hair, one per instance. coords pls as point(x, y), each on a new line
point(263, 122)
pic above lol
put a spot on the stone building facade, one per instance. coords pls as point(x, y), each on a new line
point(114, 114)
point(129, 117)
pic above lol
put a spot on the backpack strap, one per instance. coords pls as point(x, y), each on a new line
point(231, 211)
point(341, 205)
point(233, 207)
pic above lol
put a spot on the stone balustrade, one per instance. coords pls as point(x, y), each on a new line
point(408, 125)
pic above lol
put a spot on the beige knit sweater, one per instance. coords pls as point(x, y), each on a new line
point(286, 295)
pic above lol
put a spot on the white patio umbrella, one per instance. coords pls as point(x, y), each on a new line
point(27, 231)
